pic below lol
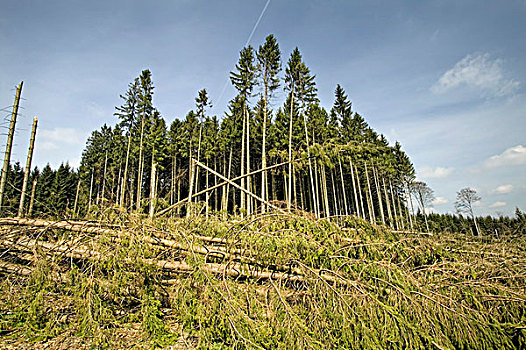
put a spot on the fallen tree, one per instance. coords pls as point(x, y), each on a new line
point(268, 281)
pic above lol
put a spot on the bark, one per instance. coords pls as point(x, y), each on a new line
point(9, 145)
point(354, 189)
point(343, 188)
point(28, 167)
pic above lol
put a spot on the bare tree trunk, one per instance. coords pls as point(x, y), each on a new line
point(153, 185)
point(249, 200)
point(119, 184)
point(104, 176)
point(372, 216)
point(32, 200)
point(360, 192)
point(172, 181)
point(317, 189)
point(388, 204)
point(243, 138)
point(190, 188)
point(141, 166)
point(311, 178)
point(264, 185)
point(410, 202)
point(379, 194)
point(475, 221)
point(227, 192)
point(354, 189)
point(28, 167)
point(125, 180)
point(76, 198)
point(334, 195)
point(325, 194)
point(400, 213)
point(216, 205)
point(9, 145)
point(294, 187)
point(343, 187)
point(289, 199)
point(207, 195)
point(90, 191)
point(197, 178)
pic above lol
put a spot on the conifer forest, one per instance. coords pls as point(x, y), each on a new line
point(277, 225)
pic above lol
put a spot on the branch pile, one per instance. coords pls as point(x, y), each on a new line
point(281, 280)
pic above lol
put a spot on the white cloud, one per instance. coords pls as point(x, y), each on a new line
point(56, 139)
point(60, 145)
point(498, 205)
point(512, 156)
point(479, 72)
point(438, 172)
point(439, 200)
point(503, 189)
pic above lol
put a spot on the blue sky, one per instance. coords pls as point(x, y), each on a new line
point(445, 78)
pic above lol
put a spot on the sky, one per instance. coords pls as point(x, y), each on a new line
point(445, 78)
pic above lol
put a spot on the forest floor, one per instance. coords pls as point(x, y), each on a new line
point(274, 281)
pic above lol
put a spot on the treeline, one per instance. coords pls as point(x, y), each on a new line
point(293, 155)
point(488, 225)
point(52, 191)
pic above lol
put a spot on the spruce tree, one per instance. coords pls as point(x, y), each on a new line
point(269, 65)
point(243, 80)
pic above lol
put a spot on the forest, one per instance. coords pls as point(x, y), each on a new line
point(298, 155)
point(275, 226)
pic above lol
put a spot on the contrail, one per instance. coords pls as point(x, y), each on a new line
point(246, 44)
point(257, 23)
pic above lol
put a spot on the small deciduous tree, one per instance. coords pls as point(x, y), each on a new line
point(424, 196)
point(466, 197)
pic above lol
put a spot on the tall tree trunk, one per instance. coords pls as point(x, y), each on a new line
point(325, 192)
point(289, 199)
point(32, 200)
point(294, 187)
point(207, 195)
point(343, 187)
point(153, 185)
point(400, 213)
point(388, 204)
point(372, 215)
point(316, 214)
point(9, 145)
point(28, 167)
point(141, 167)
point(360, 192)
point(119, 185)
point(172, 181)
point(396, 216)
point(104, 177)
point(125, 180)
point(334, 194)
point(379, 194)
point(354, 189)
point(216, 206)
point(264, 185)
point(90, 191)
point(249, 199)
point(410, 203)
point(76, 198)
point(190, 188)
point(317, 189)
point(243, 138)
